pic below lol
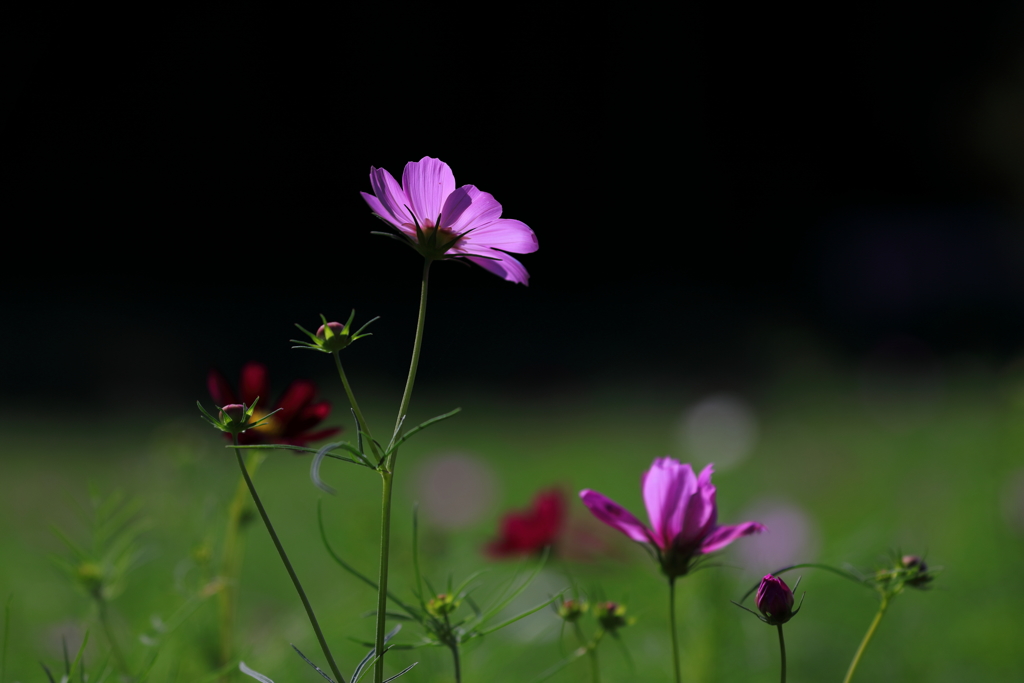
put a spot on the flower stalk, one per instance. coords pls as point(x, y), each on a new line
point(782, 651)
point(362, 425)
point(287, 563)
point(672, 622)
point(387, 472)
point(115, 649)
point(231, 563)
point(867, 638)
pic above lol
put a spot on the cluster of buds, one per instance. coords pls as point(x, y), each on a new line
point(235, 418)
point(332, 337)
point(908, 570)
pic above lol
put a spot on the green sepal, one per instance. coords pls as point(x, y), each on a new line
point(226, 424)
point(332, 341)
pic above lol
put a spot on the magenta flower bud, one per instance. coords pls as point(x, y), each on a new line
point(336, 327)
point(333, 336)
point(234, 412)
point(775, 600)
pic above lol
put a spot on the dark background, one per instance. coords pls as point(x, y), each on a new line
point(713, 196)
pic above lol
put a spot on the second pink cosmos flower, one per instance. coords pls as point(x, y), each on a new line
point(683, 514)
point(442, 221)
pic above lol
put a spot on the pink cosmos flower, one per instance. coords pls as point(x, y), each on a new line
point(442, 221)
point(683, 514)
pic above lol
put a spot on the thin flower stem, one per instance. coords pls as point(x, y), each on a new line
point(415, 362)
point(231, 563)
point(363, 426)
point(453, 645)
point(782, 651)
point(115, 650)
point(387, 474)
point(591, 647)
point(288, 566)
point(867, 638)
point(672, 621)
point(382, 579)
point(458, 666)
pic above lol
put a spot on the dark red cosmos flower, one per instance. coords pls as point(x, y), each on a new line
point(299, 412)
point(529, 531)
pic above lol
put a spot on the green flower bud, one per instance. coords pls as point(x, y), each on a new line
point(611, 616)
point(916, 571)
point(331, 337)
point(572, 610)
point(441, 605)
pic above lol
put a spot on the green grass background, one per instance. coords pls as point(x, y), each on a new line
point(922, 476)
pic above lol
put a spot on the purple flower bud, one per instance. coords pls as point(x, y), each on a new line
point(234, 411)
point(336, 327)
point(775, 600)
point(334, 338)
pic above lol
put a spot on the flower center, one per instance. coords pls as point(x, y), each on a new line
point(435, 236)
point(271, 427)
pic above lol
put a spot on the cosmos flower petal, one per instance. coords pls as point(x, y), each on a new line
point(616, 516)
point(381, 210)
point(391, 197)
point(531, 530)
point(700, 514)
point(506, 234)
point(296, 397)
point(427, 183)
point(724, 535)
point(255, 384)
point(470, 209)
point(666, 487)
point(507, 268)
point(308, 437)
point(310, 416)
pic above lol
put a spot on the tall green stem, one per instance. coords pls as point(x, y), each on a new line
point(287, 565)
point(382, 578)
point(362, 424)
point(782, 651)
point(115, 650)
point(387, 471)
point(414, 364)
point(591, 647)
point(231, 563)
point(867, 638)
point(453, 645)
point(672, 621)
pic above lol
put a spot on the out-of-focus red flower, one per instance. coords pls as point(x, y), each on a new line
point(300, 412)
point(529, 531)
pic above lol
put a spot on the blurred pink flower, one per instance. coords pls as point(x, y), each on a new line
point(682, 511)
point(530, 531)
point(440, 221)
